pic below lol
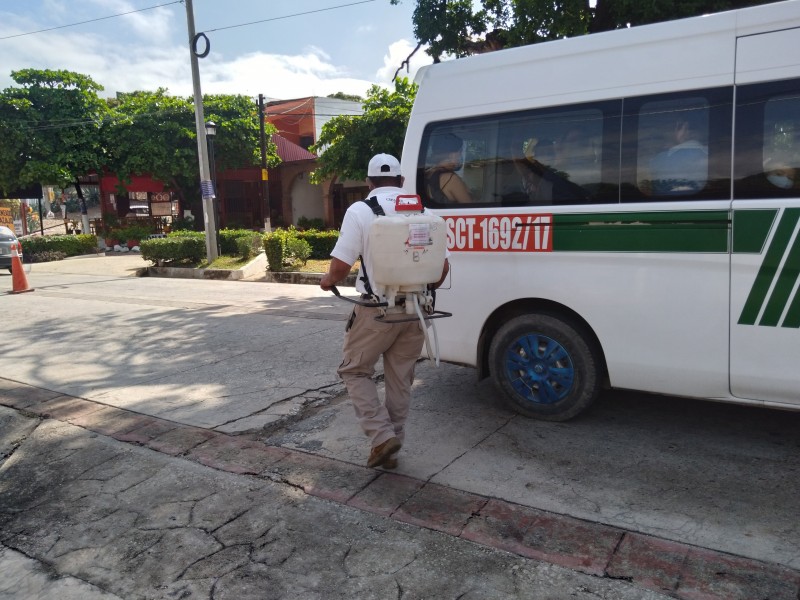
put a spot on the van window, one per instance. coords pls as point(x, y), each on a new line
point(532, 158)
point(677, 146)
point(768, 140)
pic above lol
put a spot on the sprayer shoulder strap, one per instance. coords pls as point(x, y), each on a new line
point(375, 206)
point(379, 212)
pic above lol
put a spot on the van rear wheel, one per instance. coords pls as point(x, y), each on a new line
point(544, 366)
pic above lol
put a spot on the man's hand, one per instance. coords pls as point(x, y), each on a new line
point(337, 271)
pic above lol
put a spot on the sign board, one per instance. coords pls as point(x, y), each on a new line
point(6, 218)
point(160, 197)
point(161, 209)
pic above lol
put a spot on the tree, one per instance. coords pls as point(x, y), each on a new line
point(343, 96)
point(464, 27)
point(50, 129)
point(154, 133)
point(347, 142)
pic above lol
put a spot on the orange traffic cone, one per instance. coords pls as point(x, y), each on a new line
point(18, 277)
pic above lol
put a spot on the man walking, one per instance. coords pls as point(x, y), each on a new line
point(366, 339)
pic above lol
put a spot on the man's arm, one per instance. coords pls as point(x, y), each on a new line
point(337, 271)
point(445, 271)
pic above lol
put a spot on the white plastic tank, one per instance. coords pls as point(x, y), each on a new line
point(407, 252)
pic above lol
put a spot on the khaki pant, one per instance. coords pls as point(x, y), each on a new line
point(364, 343)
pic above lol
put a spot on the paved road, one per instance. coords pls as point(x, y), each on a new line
point(694, 485)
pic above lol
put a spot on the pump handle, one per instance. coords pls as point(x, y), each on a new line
point(359, 302)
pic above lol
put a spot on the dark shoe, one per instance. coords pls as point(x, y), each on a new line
point(391, 462)
point(382, 452)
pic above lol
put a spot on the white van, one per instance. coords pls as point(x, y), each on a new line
point(623, 209)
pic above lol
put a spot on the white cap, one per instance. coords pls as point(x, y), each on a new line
point(383, 165)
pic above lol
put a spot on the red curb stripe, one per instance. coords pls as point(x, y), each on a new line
point(180, 440)
point(322, 477)
point(649, 562)
point(557, 539)
point(441, 508)
point(385, 494)
point(235, 455)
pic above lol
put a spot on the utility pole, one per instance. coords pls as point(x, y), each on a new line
point(206, 185)
point(264, 172)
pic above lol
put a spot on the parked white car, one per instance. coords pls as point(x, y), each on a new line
point(8, 243)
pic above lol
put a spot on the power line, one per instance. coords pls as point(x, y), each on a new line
point(130, 12)
point(309, 12)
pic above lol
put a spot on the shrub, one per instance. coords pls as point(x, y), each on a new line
point(228, 239)
point(131, 233)
point(248, 246)
point(285, 249)
point(184, 233)
point(183, 223)
point(45, 256)
point(69, 245)
point(179, 249)
point(321, 242)
point(306, 223)
point(297, 251)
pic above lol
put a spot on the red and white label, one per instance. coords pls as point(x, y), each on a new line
point(499, 233)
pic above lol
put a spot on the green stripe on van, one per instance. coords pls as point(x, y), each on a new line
point(793, 314)
point(767, 272)
point(783, 287)
point(751, 228)
point(677, 231)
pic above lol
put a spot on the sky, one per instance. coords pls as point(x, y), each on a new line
point(336, 46)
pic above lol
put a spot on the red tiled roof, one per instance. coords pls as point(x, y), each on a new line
point(289, 151)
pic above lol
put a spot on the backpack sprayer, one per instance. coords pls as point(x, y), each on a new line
point(407, 252)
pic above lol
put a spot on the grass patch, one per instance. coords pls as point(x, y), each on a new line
point(227, 262)
point(233, 263)
point(321, 266)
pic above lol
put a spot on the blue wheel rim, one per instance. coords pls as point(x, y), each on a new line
point(539, 369)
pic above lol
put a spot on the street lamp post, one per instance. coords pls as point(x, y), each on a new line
point(211, 132)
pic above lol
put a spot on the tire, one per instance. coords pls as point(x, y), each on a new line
point(545, 367)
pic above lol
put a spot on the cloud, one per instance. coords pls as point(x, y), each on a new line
point(399, 51)
point(280, 76)
point(152, 25)
point(143, 51)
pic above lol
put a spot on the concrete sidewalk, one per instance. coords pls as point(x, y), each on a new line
point(118, 389)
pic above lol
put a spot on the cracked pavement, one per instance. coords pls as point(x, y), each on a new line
point(122, 398)
point(90, 516)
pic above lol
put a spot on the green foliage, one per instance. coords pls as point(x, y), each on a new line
point(321, 242)
point(155, 133)
point(464, 27)
point(297, 251)
point(306, 223)
point(69, 245)
point(285, 249)
point(343, 96)
point(273, 248)
point(131, 233)
point(50, 127)
point(176, 249)
point(46, 256)
point(228, 240)
point(184, 233)
point(350, 141)
point(54, 128)
point(183, 223)
point(248, 246)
